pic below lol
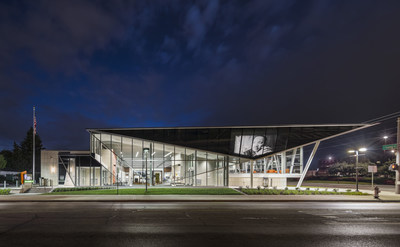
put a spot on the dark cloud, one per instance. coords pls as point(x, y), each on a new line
point(156, 63)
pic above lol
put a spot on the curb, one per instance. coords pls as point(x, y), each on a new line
point(151, 201)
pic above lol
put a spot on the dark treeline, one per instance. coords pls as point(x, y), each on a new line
point(20, 157)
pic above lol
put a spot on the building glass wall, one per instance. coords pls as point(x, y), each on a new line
point(246, 142)
point(124, 162)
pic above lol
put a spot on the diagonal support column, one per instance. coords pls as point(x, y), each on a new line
point(293, 159)
point(308, 164)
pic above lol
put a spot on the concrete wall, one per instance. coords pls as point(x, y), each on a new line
point(49, 165)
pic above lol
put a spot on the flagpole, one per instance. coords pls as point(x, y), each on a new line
point(33, 149)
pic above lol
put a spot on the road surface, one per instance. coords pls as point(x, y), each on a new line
point(199, 224)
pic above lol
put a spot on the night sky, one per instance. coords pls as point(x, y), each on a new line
point(97, 64)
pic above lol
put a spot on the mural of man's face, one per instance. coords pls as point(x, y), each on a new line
point(258, 142)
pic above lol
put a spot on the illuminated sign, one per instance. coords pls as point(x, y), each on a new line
point(28, 178)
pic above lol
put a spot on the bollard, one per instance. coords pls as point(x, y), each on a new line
point(376, 192)
point(16, 184)
point(5, 185)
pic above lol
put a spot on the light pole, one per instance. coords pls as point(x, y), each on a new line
point(356, 152)
point(146, 151)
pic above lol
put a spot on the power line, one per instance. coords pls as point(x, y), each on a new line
point(384, 118)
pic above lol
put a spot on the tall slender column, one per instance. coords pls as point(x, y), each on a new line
point(398, 158)
point(251, 173)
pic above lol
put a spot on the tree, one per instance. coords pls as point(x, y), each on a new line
point(3, 162)
point(26, 151)
point(348, 169)
point(383, 170)
point(20, 158)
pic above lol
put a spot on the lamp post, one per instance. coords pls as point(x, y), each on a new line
point(356, 154)
point(146, 151)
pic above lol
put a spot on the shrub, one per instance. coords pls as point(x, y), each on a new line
point(79, 189)
point(297, 192)
point(5, 191)
point(275, 192)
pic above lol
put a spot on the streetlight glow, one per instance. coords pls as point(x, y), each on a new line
point(385, 137)
point(356, 155)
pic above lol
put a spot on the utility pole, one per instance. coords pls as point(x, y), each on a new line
point(397, 182)
point(33, 146)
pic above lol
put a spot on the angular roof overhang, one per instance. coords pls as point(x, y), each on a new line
point(238, 140)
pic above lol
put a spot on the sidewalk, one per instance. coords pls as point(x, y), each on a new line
point(385, 197)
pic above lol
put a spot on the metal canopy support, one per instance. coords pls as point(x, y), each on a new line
point(251, 173)
point(293, 159)
point(301, 160)
point(67, 170)
point(270, 161)
point(283, 163)
point(308, 164)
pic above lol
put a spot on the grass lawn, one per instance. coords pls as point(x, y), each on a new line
point(299, 192)
point(334, 182)
point(153, 191)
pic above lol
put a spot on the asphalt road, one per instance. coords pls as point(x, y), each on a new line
point(199, 224)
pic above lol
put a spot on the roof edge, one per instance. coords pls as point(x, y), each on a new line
point(238, 127)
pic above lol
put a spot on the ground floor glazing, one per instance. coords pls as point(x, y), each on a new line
point(128, 161)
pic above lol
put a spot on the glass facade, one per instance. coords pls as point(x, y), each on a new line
point(126, 159)
point(243, 142)
point(221, 156)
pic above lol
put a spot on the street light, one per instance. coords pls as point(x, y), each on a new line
point(146, 151)
point(356, 154)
